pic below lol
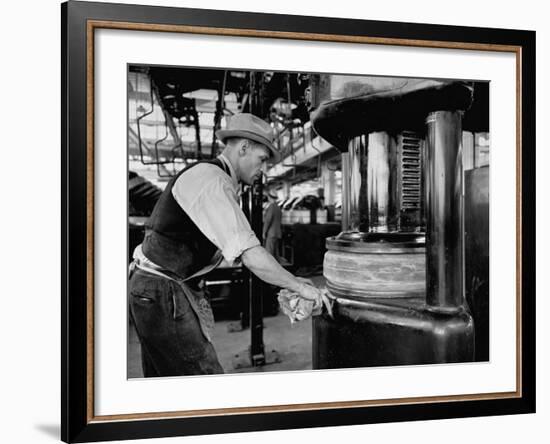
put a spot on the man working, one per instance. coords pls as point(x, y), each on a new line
point(195, 224)
point(272, 225)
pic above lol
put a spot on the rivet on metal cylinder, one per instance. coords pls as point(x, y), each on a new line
point(444, 211)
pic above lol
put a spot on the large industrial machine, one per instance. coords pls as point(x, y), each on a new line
point(396, 273)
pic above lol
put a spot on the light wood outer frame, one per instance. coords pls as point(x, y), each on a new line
point(80, 20)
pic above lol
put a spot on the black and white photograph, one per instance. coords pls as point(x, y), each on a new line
point(277, 222)
point(296, 221)
point(292, 221)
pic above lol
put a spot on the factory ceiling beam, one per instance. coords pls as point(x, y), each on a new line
point(301, 157)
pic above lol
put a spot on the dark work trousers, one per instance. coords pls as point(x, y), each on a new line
point(172, 342)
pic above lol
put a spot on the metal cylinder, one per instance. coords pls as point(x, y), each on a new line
point(373, 188)
point(345, 192)
point(382, 183)
point(358, 197)
point(444, 211)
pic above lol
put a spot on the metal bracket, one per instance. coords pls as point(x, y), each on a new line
point(244, 359)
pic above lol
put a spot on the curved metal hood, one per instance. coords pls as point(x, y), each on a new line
point(403, 106)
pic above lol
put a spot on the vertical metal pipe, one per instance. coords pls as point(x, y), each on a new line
point(247, 279)
point(345, 191)
point(257, 352)
point(444, 211)
point(329, 183)
point(358, 193)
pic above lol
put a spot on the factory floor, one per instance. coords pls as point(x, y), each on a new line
point(287, 346)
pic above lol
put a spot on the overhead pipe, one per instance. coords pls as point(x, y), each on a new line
point(140, 141)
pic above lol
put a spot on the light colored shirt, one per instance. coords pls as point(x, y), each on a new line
point(210, 198)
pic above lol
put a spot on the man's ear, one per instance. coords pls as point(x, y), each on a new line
point(244, 147)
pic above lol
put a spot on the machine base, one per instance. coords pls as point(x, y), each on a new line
point(367, 333)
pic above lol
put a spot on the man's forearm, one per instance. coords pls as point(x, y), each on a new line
point(263, 265)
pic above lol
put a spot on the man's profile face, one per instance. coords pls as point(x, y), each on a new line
point(250, 162)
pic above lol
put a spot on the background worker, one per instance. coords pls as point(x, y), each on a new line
point(272, 232)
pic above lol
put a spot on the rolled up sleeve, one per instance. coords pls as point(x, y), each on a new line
point(212, 205)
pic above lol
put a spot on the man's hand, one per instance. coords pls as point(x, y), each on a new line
point(305, 281)
point(309, 292)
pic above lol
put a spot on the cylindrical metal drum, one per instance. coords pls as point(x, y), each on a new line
point(375, 265)
point(372, 182)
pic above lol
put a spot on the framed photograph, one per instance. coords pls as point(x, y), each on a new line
point(400, 158)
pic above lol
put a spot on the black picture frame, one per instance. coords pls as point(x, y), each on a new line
point(79, 19)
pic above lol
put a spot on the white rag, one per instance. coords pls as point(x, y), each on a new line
point(298, 308)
